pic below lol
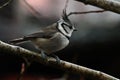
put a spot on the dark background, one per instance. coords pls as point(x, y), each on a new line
point(96, 44)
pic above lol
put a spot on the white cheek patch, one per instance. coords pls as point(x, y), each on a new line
point(63, 30)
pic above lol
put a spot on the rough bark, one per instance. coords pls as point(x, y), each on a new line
point(110, 5)
point(70, 67)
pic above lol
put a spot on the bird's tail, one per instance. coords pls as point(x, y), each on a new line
point(17, 41)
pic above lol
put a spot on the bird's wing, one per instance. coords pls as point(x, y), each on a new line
point(47, 32)
point(43, 34)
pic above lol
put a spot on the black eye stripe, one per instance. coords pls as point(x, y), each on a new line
point(63, 25)
point(67, 25)
point(62, 33)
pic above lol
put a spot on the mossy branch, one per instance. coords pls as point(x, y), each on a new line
point(110, 5)
point(69, 67)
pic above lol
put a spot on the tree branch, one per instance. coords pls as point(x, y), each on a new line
point(110, 5)
point(86, 12)
point(5, 4)
point(70, 67)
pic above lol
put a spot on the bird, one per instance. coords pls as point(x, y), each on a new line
point(52, 38)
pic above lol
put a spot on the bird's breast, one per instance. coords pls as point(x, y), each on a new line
point(53, 44)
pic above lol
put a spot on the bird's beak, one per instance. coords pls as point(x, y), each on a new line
point(75, 29)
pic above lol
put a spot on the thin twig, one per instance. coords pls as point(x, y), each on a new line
point(36, 13)
point(86, 12)
point(24, 67)
point(66, 5)
point(70, 67)
point(5, 4)
point(22, 71)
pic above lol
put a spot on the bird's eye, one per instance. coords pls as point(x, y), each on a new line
point(67, 25)
point(67, 28)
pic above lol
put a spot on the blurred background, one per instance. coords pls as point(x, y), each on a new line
point(96, 44)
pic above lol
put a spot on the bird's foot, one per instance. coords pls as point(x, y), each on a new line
point(44, 56)
point(56, 57)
